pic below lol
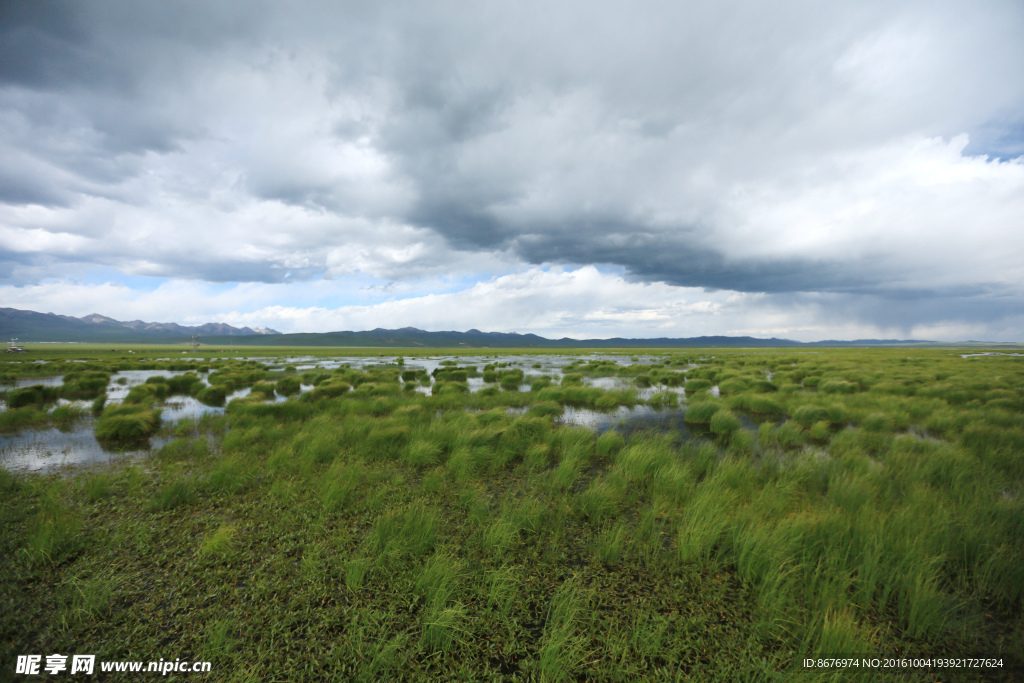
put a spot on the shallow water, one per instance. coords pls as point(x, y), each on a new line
point(133, 378)
point(43, 449)
point(989, 353)
point(608, 383)
point(45, 381)
point(39, 450)
point(637, 418)
point(550, 365)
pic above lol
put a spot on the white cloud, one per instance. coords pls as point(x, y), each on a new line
point(917, 207)
point(553, 302)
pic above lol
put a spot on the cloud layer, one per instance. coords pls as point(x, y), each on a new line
point(806, 170)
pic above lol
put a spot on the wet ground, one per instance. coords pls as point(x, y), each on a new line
point(49, 448)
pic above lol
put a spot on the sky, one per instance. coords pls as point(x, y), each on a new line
point(589, 169)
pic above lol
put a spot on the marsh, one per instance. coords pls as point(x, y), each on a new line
point(422, 517)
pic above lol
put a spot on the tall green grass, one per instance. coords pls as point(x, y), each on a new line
point(88, 599)
point(410, 531)
point(54, 533)
point(220, 544)
point(563, 645)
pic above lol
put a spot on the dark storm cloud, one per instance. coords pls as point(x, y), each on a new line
point(984, 306)
point(445, 117)
point(464, 225)
point(45, 44)
point(650, 257)
point(110, 65)
point(112, 45)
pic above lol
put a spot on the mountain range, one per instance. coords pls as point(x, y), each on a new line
point(29, 326)
point(408, 337)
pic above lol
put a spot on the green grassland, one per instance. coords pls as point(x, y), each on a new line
point(362, 530)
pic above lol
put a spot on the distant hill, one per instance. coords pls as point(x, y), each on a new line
point(412, 337)
point(30, 326)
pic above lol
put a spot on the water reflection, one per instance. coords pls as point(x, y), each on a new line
point(989, 353)
point(44, 449)
point(45, 381)
point(122, 382)
point(627, 420)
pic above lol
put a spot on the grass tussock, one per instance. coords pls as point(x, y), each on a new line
point(22, 418)
point(54, 534)
point(127, 423)
point(35, 395)
point(218, 545)
point(412, 531)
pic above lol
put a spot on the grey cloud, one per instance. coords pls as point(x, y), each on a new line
point(45, 44)
point(238, 271)
point(727, 119)
point(464, 226)
point(568, 133)
point(19, 187)
point(190, 263)
point(988, 306)
point(293, 191)
point(21, 268)
point(654, 256)
point(106, 68)
point(51, 44)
